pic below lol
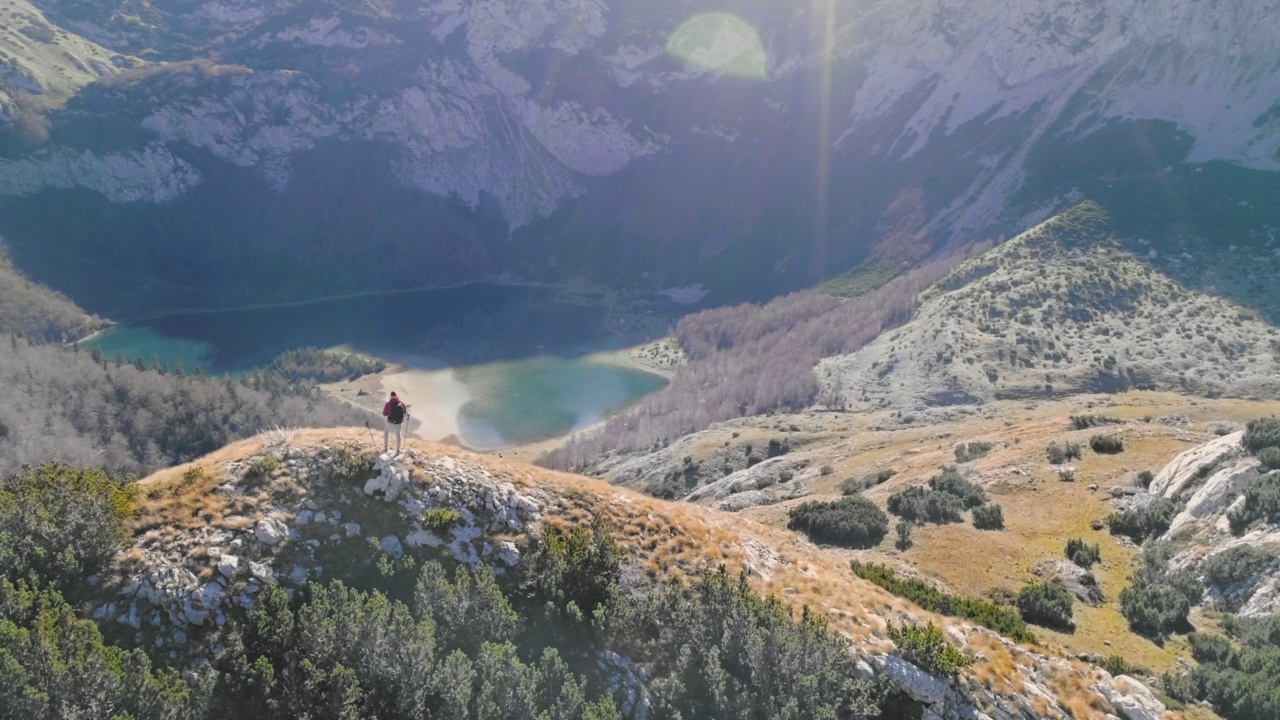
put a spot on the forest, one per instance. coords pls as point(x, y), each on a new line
point(74, 406)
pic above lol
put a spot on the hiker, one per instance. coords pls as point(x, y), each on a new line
point(394, 411)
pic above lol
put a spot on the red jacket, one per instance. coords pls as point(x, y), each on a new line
point(386, 409)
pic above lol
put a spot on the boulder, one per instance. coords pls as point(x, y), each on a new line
point(1131, 699)
point(391, 546)
point(270, 532)
point(508, 553)
point(1071, 577)
point(228, 565)
point(423, 538)
point(261, 572)
point(911, 680)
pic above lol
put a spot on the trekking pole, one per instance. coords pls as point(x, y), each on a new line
point(371, 440)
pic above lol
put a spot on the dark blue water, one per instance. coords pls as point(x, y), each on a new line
point(465, 325)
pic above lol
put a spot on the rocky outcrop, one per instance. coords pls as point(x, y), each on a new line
point(1207, 481)
point(1071, 577)
point(153, 174)
point(200, 580)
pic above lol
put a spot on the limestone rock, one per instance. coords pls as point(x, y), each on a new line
point(270, 532)
point(391, 546)
point(261, 572)
point(1071, 577)
point(228, 564)
point(1131, 699)
point(508, 553)
point(1189, 467)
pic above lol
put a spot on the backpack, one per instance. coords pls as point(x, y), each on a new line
point(397, 413)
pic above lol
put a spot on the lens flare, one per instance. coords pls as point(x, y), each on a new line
point(722, 43)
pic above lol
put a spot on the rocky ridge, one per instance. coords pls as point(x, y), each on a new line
point(216, 531)
point(1062, 309)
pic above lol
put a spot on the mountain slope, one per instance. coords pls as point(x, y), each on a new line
point(308, 514)
point(474, 139)
point(1062, 309)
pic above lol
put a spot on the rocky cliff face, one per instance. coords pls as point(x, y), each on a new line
point(672, 133)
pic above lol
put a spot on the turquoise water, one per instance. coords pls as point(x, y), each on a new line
point(524, 357)
point(542, 397)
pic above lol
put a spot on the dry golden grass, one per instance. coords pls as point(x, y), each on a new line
point(1041, 511)
point(674, 539)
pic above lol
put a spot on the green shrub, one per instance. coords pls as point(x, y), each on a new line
point(851, 486)
point(1261, 433)
point(950, 481)
point(1261, 502)
point(988, 517)
point(60, 524)
point(344, 467)
point(1145, 478)
point(968, 452)
point(1106, 444)
point(1046, 604)
point(262, 466)
point(1118, 665)
point(579, 566)
point(1061, 453)
point(440, 520)
point(1270, 457)
point(1154, 610)
point(1235, 565)
point(56, 665)
point(948, 495)
point(1209, 649)
point(850, 522)
point(1085, 422)
point(727, 653)
point(1000, 618)
point(904, 528)
point(1082, 554)
point(921, 505)
point(926, 647)
point(1148, 521)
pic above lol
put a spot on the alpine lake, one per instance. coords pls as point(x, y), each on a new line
point(489, 366)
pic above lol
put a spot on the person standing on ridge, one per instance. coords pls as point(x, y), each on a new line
point(394, 411)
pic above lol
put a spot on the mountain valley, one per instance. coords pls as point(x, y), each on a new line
point(839, 360)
